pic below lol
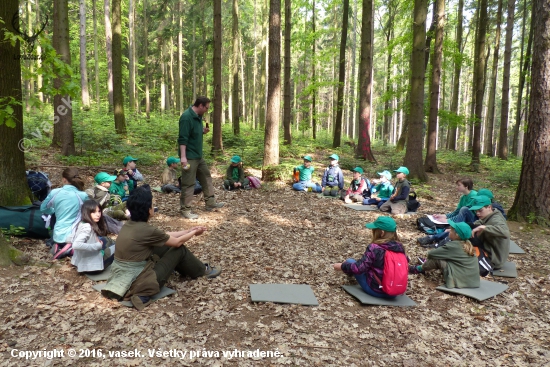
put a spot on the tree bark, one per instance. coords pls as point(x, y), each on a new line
point(337, 141)
point(13, 182)
point(131, 56)
point(271, 143)
point(180, 58)
point(287, 106)
point(109, 51)
point(146, 58)
point(118, 97)
point(217, 145)
point(313, 77)
point(456, 77)
point(533, 193)
point(430, 165)
point(96, 57)
point(413, 153)
point(503, 137)
point(235, 71)
point(363, 149)
point(353, 81)
point(83, 69)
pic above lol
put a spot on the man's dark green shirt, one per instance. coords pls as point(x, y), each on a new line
point(190, 134)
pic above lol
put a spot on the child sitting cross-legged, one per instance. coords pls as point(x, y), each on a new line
point(234, 176)
point(456, 259)
point(358, 188)
point(383, 190)
point(333, 178)
point(170, 182)
point(302, 177)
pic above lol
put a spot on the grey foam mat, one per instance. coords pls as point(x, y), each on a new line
point(486, 290)
point(515, 249)
point(328, 196)
point(508, 270)
point(165, 291)
point(300, 294)
point(361, 207)
point(104, 275)
point(366, 299)
point(156, 188)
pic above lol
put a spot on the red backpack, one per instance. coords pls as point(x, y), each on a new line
point(396, 271)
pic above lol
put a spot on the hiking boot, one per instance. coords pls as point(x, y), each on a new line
point(413, 269)
point(188, 215)
point(212, 271)
point(214, 206)
point(425, 241)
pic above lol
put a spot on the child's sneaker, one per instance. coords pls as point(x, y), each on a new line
point(425, 241)
point(212, 271)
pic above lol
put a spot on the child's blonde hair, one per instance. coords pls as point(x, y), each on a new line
point(468, 248)
point(377, 236)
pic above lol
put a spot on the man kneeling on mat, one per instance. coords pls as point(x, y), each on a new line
point(146, 256)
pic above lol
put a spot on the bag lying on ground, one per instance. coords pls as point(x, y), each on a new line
point(28, 217)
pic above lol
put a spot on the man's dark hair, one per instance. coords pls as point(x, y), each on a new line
point(202, 100)
point(139, 203)
point(466, 182)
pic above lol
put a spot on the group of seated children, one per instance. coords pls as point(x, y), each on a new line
point(383, 194)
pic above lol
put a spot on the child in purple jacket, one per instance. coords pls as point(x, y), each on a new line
point(369, 270)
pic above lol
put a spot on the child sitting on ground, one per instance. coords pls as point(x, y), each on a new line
point(302, 177)
point(133, 174)
point(333, 178)
point(120, 186)
point(170, 182)
point(384, 190)
point(101, 194)
point(234, 176)
point(397, 204)
point(92, 251)
point(456, 259)
point(462, 213)
point(359, 188)
point(369, 270)
point(496, 205)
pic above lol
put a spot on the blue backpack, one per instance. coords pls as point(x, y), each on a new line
point(39, 184)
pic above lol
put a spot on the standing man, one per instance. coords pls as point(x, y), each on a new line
point(192, 163)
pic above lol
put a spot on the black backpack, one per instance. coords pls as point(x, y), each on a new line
point(412, 203)
point(425, 225)
point(485, 264)
point(39, 184)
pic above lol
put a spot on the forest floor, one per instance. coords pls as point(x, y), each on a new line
point(276, 235)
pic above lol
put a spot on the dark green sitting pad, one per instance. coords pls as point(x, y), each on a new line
point(508, 270)
point(165, 291)
point(328, 196)
point(104, 275)
point(300, 294)
point(366, 299)
point(515, 249)
point(486, 290)
point(361, 207)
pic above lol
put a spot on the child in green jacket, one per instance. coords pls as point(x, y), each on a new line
point(234, 176)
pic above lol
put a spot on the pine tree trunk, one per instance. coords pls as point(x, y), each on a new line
point(503, 136)
point(235, 71)
point(271, 142)
point(337, 141)
point(118, 97)
point(180, 58)
point(109, 51)
point(363, 149)
point(217, 145)
point(287, 106)
point(131, 56)
point(96, 57)
point(456, 78)
point(13, 182)
point(533, 193)
point(146, 58)
point(83, 69)
point(313, 77)
point(430, 164)
point(353, 80)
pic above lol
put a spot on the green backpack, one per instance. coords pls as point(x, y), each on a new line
point(28, 217)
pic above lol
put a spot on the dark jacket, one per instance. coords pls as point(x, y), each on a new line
point(190, 134)
point(333, 177)
point(229, 174)
point(402, 189)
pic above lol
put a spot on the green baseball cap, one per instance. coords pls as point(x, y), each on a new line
point(402, 169)
point(307, 158)
point(104, 177)
point(235, 159)
point(462, 229)
point(334, 156)
point(479, 202)
point(128, 159)
point(486, 192)
point(358, 170)
point(172, 160)
point(386, 174)
point(384, 223)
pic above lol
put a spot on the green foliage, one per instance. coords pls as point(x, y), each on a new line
point(13, 231)
point(7, 112)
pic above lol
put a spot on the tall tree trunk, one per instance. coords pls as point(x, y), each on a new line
point(533, 193)
point(255, 74)
point(217, 145)
point(313, 77)
point(194, 63)
point(479, 76)
point(387, 97)
point(337, 141)
point(62, 103)
point(13, 182)
point(456, 77)
point(180, 58)
point(503, 137)
point(235, 71)
point(271, 142)
point(363, 149)
point(353, 80)
point(489, 148)
point(109, 51)
point(413, 153)
point(430, 165)
point(39, 80)
point(131, 56)
point(118, 97)
point(96, 57)
point(146, 58)
point(83, 69)
point(522, 76)
point(287, 106)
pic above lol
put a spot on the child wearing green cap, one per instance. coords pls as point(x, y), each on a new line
point(170, 182)
point(384, 190)
point(304, 173)
point(369, 270)
point(100, 192)
point(496, 205)
point(333, 178)
point(133, 174)
point(234, 176)
point(358, 189)
point(397, 204)
point(456, 259)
